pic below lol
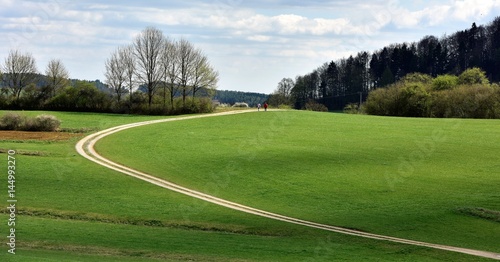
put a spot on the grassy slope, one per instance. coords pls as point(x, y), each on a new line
point(395, 176)
point(61, 240)
point(66, 193)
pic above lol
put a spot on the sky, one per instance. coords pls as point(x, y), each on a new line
point(252, 44)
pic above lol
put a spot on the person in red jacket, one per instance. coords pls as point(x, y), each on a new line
point(265, 106)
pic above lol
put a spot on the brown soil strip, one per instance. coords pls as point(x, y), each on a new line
point(42, 136)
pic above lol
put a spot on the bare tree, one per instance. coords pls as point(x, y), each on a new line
point(186, 56)
point(19, 71)
point(57, 76)
point(170, 63)
point(283, 93)
point(128, 60)
point(148, 47)
point(153, 61)
point(285, 87)
point(116, 73)
point(203, 74)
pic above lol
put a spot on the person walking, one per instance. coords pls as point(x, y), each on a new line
point(265, 106)
point(258, 107)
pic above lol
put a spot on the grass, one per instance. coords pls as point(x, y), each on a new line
point(65, 240)
point(71, 209)
point(394, 176)
point(481, 213)
point(75, 121)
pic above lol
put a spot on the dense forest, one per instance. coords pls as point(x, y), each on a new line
point(336, 84)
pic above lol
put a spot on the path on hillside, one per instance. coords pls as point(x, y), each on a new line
point(85, 147)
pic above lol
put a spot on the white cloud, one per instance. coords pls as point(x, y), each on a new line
point(432, 15)
point(259, 38)
point(436, 14)
point(466, 9)
point(249, 22)
point(85, 17)
point(6, 3)
point(292, 36)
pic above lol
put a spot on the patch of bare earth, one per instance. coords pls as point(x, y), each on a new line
point(42, 136)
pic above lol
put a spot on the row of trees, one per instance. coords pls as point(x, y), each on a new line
point(338, 83)
point(21, 80)
point(164, 67)
point(152, 75)
point(232, 97)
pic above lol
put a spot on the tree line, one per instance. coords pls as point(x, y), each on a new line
point(349, 80)
point(232, 97)
point(152, 75)
point(468, 95)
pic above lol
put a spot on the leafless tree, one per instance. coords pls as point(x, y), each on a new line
point(128, 60)
point(186, 55)
point(285, 87)
point(57, 76)
point(19, 71)
point(170, 64)
point(116, 74)
point(203, 74)
point(155, 61)
point(148, 48)
point(282, 95)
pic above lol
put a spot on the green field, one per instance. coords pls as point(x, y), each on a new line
point(420, 179)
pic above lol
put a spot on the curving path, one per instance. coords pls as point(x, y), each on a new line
point(85, 147)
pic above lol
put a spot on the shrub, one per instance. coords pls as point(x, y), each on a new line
point(315, 106)
point(45, 123)
point(415, 100)
point(12, 121)
point(378, 102)
point(445, 82)
point(205, 105)
point(400, 99)
point(473, 76)
point(352, 108)
point(417, 78)
point(467, 102)
point(198, 105)
point(468, 96)
point(285, 106)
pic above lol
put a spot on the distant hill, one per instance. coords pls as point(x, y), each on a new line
point(42, 81)
point(231, 97)
point(97, 83)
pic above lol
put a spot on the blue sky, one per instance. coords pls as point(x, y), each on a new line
point(253, 44)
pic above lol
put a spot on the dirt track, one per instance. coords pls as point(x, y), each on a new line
point(85, 147)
